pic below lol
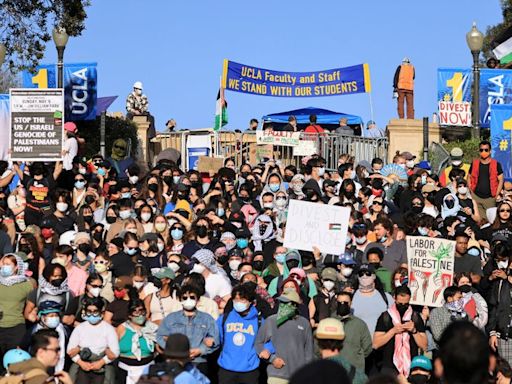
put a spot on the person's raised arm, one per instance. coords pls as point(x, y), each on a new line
point(57, 170)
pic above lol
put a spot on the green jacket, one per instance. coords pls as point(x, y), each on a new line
point(358, 341)
point(359, 377)
point(385, 277)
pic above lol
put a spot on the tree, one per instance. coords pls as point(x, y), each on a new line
point(495, 30)
point(8, 80)
point(26, 28)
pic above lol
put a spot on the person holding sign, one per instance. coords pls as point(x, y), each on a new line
point(39, 186)
point(400, 333)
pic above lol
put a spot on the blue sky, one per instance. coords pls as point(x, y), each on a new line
point(176, 49)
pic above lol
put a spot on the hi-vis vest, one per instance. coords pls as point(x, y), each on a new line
point(406, 77)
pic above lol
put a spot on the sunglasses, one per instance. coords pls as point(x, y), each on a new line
point(505, 210)
point(359, 226)
point(92, 313)
point(484, 150)
point(378, 203)
point(364, 273)
point(79, 179)
point(96, 286)
point(191, 297)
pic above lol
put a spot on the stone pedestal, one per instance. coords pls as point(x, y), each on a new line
point(407, 135)
point(142, 124)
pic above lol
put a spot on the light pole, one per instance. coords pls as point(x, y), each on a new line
point(3, 50)
point(475, 40)
point(60, 37)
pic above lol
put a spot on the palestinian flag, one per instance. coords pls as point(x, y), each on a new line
point(503, 44)
point(221, 111)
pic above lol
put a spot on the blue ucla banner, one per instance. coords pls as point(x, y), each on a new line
point(80, 91)
point(501, 132)
point(454, 84)
point(495, 88)
point(45, 77)
point(265, 82)
point(80, 87)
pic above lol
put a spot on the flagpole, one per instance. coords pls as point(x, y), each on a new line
point(217, 144)
point(371, 106)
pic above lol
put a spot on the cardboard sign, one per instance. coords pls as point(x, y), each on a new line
point(311, 225)
point(284, 138)
point(305, 148)
point(431, 267)
point(207, 164)
point(37, 122)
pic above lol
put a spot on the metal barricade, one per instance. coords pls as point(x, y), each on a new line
point(242, 147)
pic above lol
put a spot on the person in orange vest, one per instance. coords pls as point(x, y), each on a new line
point(403, 85)
point(485, 179)
point(456, 155)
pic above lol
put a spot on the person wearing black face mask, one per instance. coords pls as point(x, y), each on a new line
point(53, 287)
point(312, 191)
point(202, 239)
point(358, 340)
point(421, 370)
point(399, 324)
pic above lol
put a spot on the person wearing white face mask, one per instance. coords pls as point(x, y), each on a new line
point(217, 283)
point(456, 162)
point(324, 304)
point(468, 206)
point(49, 315)
point(125, 217)
point(93, 288)
point(199, 327)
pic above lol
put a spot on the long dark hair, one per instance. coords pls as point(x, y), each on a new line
point(497, 221)
point(33, 264)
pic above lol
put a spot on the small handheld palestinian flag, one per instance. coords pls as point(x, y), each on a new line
point(334, 227)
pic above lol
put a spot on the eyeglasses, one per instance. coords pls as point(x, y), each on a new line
point(504, 210)
point(56, 350)
point(79, 179)
point(96, 286)
point(186, 297)
point(484, 150)
point(364, 273)
point(132, 248)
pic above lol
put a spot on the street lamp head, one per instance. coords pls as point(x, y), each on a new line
point(60, 37)
point(475, 39)
point(3, 50)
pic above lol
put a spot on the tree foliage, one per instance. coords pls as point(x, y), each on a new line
point(8, 80)
point(27, 26)
point(495, 30)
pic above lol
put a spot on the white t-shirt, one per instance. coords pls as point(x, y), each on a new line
point(71, 148)
point(217, 285)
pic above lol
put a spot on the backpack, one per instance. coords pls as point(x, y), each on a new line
point(23, 377)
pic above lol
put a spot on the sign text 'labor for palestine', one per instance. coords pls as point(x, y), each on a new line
point(37, 118)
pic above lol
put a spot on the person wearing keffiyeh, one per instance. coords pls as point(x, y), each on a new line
point(400, 334)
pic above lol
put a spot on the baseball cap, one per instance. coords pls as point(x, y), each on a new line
point(421, 362)
point(330, 183)
point(289, 296)
point(456, 153)
point(164, 273)
point(366, 267)
point(70, 127)
point(408, 155)
point(346, 259)
point(331, 329)
point(329, 274)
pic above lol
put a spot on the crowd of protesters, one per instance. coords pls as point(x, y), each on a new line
point(123, 277)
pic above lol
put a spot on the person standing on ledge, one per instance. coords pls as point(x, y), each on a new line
point(137, 105)
point(403, 88)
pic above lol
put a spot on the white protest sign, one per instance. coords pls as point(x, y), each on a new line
point(431, 267)
point(311, 225)
point(284, 138)
point(305, 148)
point(37, 121)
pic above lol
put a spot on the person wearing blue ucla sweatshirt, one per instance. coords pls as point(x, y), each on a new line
point(238, 360)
